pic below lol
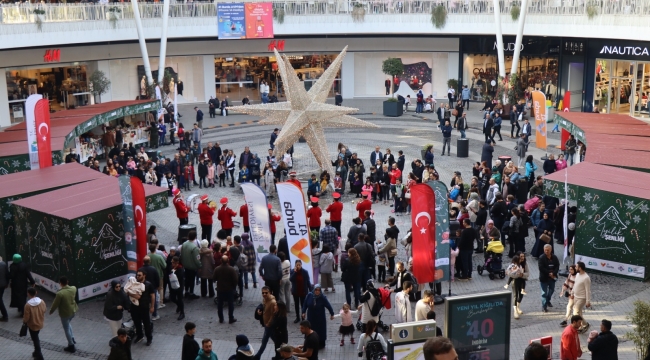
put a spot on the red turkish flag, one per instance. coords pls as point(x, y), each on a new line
point(423, 214)
point(140, 218)
point(43, 138)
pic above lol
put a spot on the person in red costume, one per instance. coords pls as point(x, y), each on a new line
point(206, 213)
point(364, 205)
point(273, 218)
point(225, 215)
point(243, 213)
point(294, 180)
point(313, 214)
point(335, 210)
point(181, 209)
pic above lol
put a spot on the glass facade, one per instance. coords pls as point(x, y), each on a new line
point(622, 87)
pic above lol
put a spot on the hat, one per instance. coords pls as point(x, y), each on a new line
point(224, 200)
point(336, 195)
point(313, 199)
point(269, 206)
point(176, 191)
point(292, 173)
point(457, 173)
point(204, 197)
point(17, 258)
point(173, 248)
point(365, 194)
point(241, 340)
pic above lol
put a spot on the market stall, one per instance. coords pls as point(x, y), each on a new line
point(612, 223)
point(78, 232)
point(29, 183)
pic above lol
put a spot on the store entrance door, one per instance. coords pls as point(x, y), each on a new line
point(642, 87)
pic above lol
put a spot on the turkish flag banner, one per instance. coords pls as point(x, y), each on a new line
point(423, 214)
point(43, 138)
point(139, 218)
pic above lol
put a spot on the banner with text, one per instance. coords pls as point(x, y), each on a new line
point(539, 106)
point(139, 219)
point(259, 20)
point(127, 219)
point(43, 136)
point(442, 230)
point(258, 218)
point(231, 21)
point(30, 123)
point(424, 232)
point(294, 217)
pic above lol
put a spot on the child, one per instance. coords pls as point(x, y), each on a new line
point(315, 258)
point(210, 173)
point(187, 175)
point(203, 173)
point(326, 263)
point(347, 325)
point(338, 182)
point(367, 187)
point(221, 172)
point(454, 254)
point(243, 174)
point(515, 272)
point(382, 259)
point(356, 185)
point(130, 165)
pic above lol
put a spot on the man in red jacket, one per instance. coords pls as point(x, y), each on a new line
point(313, 214)
point(243, 213)
point(570, 342)
point(181, 209)
point(225, 215)
point(274, 217)
point(364, 205)
point(206, 213)
point(294, 180)
point(335, 210)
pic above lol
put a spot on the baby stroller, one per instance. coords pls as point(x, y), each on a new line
point(383, 296)
point(493, 262)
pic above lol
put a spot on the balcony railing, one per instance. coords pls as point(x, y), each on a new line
point(24, 12)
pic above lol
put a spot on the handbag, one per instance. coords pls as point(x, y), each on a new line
point(545, 238)
point(23, 330)
point(393, 252)
point(516, 147)
point(256, 172)
point(407, 195)
point(521, 116)
point(173, 281)
point(454, 112)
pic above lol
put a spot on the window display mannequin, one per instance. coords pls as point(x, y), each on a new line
point(179, 87)
point(171, 90)
point(143, 86)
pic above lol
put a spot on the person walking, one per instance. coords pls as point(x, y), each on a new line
point(114, 305)
point(497, 126)
point(177, 284)
point(461, 125)
point(605, 345)
point(191, 263)
point(465, 94)
point(527, 130)
point(514, 117)
point(199, 117)
point(488, 124)
point(521, 148)
point(20, 278)
point(371, 334)
point(251, 257)
point(570, 342)
point(300, 287)
point(570, 149)
point(266, 316)
point(446, 138)
point(207, 269)
point(190, 347)
point(549, 266)
point(567, 287)
point(64, 301)
point(141, 312)
point(581, 293)
point(4, 283)
point(34, 318)
point(278, 326)
point(227, 279)
point(314, 311)
point(270, 271)
point(120, 346)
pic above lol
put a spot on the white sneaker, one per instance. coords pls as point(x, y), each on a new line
point(505, 286)
point(523, 292)
point(154, 318)
point(161, 305)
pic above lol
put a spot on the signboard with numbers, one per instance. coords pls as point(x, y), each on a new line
point(479, 325)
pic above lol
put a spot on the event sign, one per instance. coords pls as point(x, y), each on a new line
point(43, 134)
point(479, 325)
point(30, 123)
point(231, 21)
point(424, 232)
point(259, 20)
point(294, 217)
point(258, 218)
point(442, 230)
point(539, 105)
point(127, 219)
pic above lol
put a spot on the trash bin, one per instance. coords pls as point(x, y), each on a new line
point(550, 114)
point(504, 159)
point(183, 230)
point(462, 148)
point(151, 154)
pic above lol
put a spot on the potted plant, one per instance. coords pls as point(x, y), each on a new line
point(99, 84)
point(453, 83)
point(423, 151)
point(113, 14)
point(392, 67)
point(640, 336)
point(37, 18)
point(592, 10)
point(278, 13)
point(358, 12)
point(515, 10)
point(439, 16)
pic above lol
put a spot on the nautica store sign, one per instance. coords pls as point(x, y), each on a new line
point(625, 50)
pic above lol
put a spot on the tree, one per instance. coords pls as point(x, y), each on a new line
point(392, 67)
point(99, 83)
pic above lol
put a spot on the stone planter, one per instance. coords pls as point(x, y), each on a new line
point(393, 108)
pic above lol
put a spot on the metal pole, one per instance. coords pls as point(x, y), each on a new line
point(520, 35)
point(143, 44)
point(497, 20)
point(163, 42)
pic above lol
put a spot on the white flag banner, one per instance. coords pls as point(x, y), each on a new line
point(258, 219)
point(294, 217)
point(175, 117)
point(565, 221)
point(30, 122)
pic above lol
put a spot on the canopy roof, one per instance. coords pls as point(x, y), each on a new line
point(48, 178)
point(82, 199)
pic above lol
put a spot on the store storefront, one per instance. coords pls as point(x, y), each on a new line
point(538, 64)
point(618, 80)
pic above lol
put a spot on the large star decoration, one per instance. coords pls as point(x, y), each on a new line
point(305, 113)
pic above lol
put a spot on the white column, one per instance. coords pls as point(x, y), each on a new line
point(5, 119)
point(163, 42)
point(497, 20)
point(520, 35)
point(347, 76)
point(143, 43)
point(209, 86)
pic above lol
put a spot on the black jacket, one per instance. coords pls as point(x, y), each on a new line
point(203, 170)
point(467, 237)
point(120, 351)
point(349, 272)
point(405, 276)
point(488, 125)
point(400, 163)
point(370, 228)
point(151, 275)
point(549, 166)
point(499, 212)
point(604, 346)
point(279, 332)
point(190, 348)
point(547, 266)
point(113, 300)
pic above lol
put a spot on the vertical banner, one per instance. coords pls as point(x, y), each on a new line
point(294, 217)
point(258, 218)
point(139, 218)
point(539, 105)
point(30, 123)
point(424, 231)
point(43, 136)
point(442, 230)
point(259, 20)
point(565, 220)
point(231, 22)
point(175, 117)
point(127, 221)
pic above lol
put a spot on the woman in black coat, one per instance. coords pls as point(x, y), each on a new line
point(545, 226)
point(21, 277)
point(279, 332)
point(351, 276)
point(116, 302)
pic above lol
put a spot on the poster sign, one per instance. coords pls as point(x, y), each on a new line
point(442, 230)
point(127, 219)
point(479, 325)
point(539, 105)
point(231, 21)
point(294, 217)
point(258, 218)
point(30, 122)
point(259, 21)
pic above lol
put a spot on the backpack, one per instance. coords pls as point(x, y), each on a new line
point(260, 317)
point(242, 261)
point(374, 349)
point(376, 307)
